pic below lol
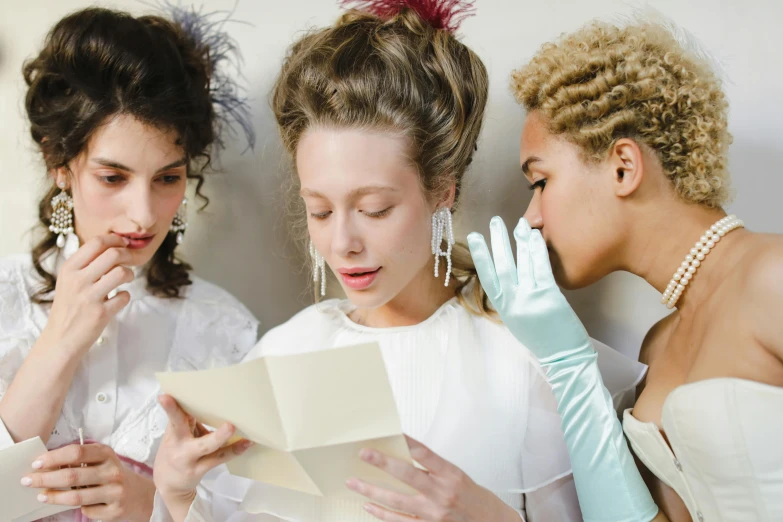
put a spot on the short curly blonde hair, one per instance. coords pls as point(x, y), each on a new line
point(603, 82)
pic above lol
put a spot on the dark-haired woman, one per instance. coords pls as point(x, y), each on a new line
point(122, 111)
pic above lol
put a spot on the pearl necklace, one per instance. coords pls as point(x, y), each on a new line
point(693, 260)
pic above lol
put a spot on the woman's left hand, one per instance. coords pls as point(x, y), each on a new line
point(104, 488)
point(445, 492)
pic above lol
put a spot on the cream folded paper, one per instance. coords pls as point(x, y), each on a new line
point(309, 414)
point(19, 503)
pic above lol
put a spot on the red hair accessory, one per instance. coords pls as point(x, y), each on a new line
point(440, 14)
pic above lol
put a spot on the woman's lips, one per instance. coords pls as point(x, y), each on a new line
point(359, 280)
point(137, 241)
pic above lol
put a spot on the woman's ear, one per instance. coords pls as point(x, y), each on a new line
point(449, 195)
point(627, 161)
point(60, 177)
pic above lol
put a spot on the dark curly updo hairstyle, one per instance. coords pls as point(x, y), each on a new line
point(97, 63)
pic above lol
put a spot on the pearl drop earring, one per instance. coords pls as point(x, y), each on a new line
point(442, 229)
point(180, 222)
point(319, 268)
point(61, 222)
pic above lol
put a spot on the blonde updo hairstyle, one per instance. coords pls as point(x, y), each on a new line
point(400, 75)
point(603, 82)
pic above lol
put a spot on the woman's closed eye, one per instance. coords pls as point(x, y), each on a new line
point(541, 183)
point(378, 214)
point(320, 215)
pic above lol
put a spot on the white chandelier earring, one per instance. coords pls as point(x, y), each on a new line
point(61, 222)
point(442, 229)
point(180, 222)
point(319, 268)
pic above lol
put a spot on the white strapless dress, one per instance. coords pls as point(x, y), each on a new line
point(726, 455)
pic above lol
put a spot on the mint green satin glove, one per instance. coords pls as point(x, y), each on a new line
point(531, 305)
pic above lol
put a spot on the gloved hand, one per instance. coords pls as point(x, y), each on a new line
point(531, 305)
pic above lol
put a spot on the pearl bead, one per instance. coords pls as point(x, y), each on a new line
point(695, 257)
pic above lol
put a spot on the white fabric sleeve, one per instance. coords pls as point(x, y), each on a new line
point(218, 499)
point(556, 501)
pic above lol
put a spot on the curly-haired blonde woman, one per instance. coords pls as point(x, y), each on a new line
point(382, 113)
point(625, 145)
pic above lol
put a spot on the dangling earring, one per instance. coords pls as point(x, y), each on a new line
point(319, 268)
point(442, 229)
point(62, 215)
point(180, 221)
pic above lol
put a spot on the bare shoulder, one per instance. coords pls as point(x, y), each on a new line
point(761, 297)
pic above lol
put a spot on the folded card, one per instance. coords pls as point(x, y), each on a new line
point(309, 414)
point(19, 503)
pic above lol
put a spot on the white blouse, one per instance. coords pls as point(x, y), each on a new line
point(114, 392)
point(464, 386)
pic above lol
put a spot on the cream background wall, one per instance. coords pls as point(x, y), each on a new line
point(241, 242)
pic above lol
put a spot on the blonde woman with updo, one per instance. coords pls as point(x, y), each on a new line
point(625, 144)
point(381, 113)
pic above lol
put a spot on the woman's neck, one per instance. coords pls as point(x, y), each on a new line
point(421, 298)
point(658, 242)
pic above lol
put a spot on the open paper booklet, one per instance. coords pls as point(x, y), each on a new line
point(19, 503)
point(309, 414)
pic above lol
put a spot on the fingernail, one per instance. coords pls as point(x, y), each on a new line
point(43, 498)
point(244, 446)
point(26, 481)
point(367, 455)
point(38, 464)
point(352, 484)
point(125, 240)
point(368, 508)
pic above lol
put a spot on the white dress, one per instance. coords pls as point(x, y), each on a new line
point(113, 396)
point(726, 455)
point(464, 386)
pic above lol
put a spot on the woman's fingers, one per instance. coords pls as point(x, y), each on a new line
point(117, 276)
point(501, 250)
point(80, 497)
point(214, 441)
point(223, 455)
point(108, 260)
point(485, 267)
point(73, 455)
point(179, 421)
point(66, 478)
point(94, 248)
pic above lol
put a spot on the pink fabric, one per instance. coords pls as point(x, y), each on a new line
point(137, 467)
